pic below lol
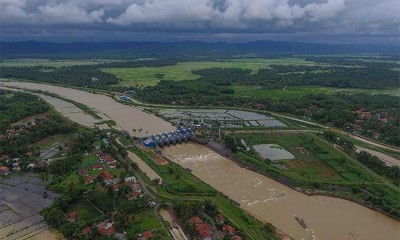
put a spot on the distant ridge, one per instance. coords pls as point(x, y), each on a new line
point(182, 49)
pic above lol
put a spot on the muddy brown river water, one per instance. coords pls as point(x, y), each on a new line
point(327, 218)
point(126, 117)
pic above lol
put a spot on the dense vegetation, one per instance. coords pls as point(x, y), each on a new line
point(15, 106)
point(372, 162)
point(82, 76)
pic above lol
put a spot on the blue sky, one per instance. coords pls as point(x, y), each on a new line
point(332, 21)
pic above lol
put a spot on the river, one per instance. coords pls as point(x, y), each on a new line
point(126, 117)
point(327, 218)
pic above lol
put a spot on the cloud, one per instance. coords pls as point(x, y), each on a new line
point(206, 16)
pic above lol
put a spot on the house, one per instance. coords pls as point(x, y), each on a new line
point(220, 218)
point(115, 187)
point(106, 228)
point(96, 167)
point(133, 195)
point(71, 216)
point(29, 154)
point(86, 230)
point(31, 165)
point(363, 114)
point(195, 220)
point(83, 172)
point(130, 179)
point(4, 170)
point(204, 231)
point(120, 236)
point(108, 159)
point(89, 179)
point(105, 176)
point(146, 235)
point(113, 165)
point(228, 229)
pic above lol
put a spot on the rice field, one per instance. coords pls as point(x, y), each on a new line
point(150, 76)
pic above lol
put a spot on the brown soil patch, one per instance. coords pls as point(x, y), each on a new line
point(29, 119)
point(299, 150)
point(159, 160)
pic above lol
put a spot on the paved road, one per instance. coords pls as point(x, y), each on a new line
point(366, 140)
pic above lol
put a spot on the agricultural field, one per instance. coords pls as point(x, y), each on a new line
point(293, 92)
point(150, 76)
point(33, 62)
point(314, 161)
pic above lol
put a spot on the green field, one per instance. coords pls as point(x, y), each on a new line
point(33, 62)
point(148, 76)
point(86, 212)
point(146, 220)
point(89, 160)
point(315, 161)
point(292, 92)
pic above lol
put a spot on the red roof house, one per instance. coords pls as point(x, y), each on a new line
point(195, 220)
point(204, 231)
point(83, 172)
point(86, 230)
point(229, 229)
point(105, 175)
point(71, 216)
point(89, 179)
point(106, 229)
point(148, 234)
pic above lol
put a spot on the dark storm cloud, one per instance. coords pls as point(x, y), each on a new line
point(47, 17)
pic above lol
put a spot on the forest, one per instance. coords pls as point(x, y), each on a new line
point(15, 106)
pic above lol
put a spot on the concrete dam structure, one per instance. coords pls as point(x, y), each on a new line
point(167, 138)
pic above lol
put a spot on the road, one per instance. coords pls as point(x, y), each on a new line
point(359, 138)
point(365, 140)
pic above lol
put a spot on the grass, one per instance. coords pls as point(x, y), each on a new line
point(293, 92)
point(34, 62)
point(178, 180)
point(86, 212)
point(317, 163)
point(147, 76)
point(89, 160)
point(146, 220)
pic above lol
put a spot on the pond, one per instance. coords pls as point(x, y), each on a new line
point(273, 152)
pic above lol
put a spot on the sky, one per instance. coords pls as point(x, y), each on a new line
point(324, 21)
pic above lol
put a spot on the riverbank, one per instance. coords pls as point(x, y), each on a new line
point(271, 201)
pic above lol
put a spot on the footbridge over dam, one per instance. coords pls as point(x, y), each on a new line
point(166, 138)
